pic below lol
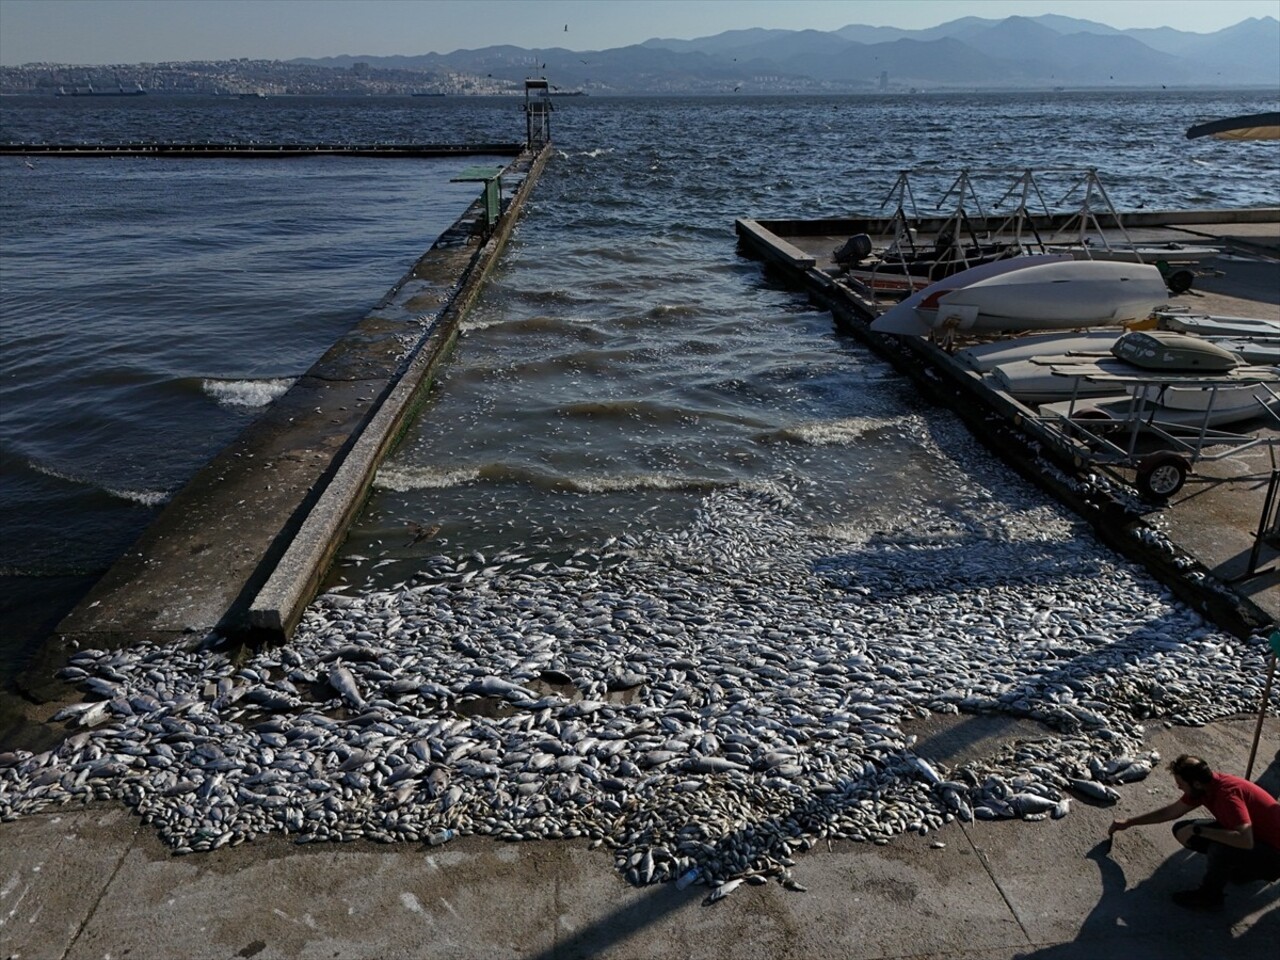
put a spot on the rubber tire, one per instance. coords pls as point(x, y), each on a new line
point(1179, 281)
point(1161, 475)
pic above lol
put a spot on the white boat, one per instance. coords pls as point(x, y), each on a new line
point(1057, 295)
point(902, 318)
point(1153, 357)
point(1206, 325)
point(1172, 252)
point(1206, 405)
point(1052, 296)
point(1264, 350)
point(984, 357)
point(1096, 343)
point(1171, 379)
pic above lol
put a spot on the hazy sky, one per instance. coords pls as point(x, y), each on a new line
point(135, 31)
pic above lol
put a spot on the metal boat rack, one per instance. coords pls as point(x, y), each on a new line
point(967, 238)
point(1162, 454)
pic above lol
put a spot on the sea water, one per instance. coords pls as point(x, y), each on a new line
point(623, 360)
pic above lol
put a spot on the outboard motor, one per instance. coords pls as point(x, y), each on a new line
point(856, 249)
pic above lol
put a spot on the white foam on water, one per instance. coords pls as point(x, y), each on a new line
point(147, 498)
point(246, 394)
point(404, 479)
point(401, 479)
point(839, 433)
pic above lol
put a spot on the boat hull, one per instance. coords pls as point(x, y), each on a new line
point(905, 318)
point(1053, 296)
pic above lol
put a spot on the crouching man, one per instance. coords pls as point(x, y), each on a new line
point(1241, 842)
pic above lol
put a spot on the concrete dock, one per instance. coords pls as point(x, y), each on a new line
point(88, 883)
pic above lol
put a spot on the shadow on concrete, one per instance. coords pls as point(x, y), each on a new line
point(618, 927)
point(1269, 779)
point(1140, 922)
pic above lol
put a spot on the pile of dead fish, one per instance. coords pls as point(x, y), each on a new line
point(715, 699)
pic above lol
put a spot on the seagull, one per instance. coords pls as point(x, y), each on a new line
point(421, 533)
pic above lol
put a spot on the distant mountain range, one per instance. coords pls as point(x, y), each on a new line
point(1014, 53)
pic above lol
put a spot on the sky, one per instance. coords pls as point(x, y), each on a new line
point(142, 31)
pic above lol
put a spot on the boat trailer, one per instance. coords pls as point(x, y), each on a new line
point(1162, 454)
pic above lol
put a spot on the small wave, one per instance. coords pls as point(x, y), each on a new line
point(246, 394)
point(674, 311)
point(833, 433)
point(50, 572)
point(147, 498)
point(648, 411)
point(405, 479)
point(580, 328)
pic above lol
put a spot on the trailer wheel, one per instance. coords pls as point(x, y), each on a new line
point(1179, 281)
point(1161, 475)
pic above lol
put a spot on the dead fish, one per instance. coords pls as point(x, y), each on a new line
point(341, 679)
point(722, 891)
point(1092, 790)
point(497, 687)
point(926, 770)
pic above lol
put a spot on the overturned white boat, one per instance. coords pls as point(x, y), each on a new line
point(1031, 293)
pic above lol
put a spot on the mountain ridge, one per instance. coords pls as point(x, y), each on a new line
point(1046, 52)
point(1014, 52)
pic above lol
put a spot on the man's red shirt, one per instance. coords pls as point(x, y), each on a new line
point(1234, 802)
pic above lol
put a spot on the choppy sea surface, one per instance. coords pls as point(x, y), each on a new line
point(623, 362)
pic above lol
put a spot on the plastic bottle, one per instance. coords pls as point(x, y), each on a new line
point(687, 878)
point(439, 837)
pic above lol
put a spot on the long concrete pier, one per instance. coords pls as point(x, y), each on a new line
point(259, 151)
point(304, 467)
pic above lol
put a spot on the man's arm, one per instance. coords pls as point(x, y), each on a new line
point(1168, 812)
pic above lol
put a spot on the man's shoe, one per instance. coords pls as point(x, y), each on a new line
point(1199, 899)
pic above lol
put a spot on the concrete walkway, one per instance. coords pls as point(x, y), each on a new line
point(95, 883)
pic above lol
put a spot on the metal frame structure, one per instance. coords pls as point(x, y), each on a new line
point(1179, 448)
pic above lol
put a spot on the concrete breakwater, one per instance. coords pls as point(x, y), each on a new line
point(198, 569)
point(258, 151)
